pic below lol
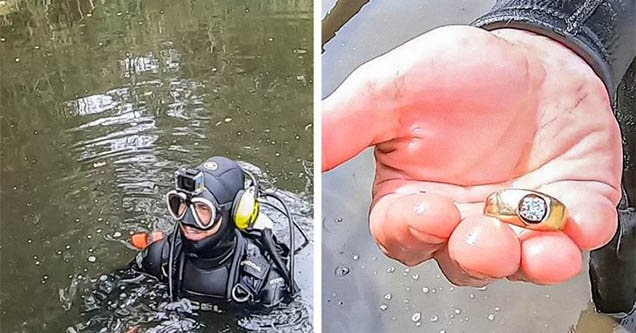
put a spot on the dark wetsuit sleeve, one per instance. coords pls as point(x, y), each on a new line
point(600, 31)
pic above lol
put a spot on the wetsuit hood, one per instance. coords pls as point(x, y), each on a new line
point(223, 179)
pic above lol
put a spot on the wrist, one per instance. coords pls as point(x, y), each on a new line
point(554, 56)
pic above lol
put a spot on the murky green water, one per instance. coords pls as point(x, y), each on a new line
point(100, 101)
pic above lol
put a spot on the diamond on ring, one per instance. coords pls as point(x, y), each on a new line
point(533, 208)
point(527, 209)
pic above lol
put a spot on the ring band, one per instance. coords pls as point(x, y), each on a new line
point(527, 209)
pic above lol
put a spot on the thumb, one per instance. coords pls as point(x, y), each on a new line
point(431, 80)
point(350, 120)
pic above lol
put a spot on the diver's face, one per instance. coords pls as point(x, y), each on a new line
point(205, 214)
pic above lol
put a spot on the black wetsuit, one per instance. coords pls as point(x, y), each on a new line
point(240, 271)
point(603, 32)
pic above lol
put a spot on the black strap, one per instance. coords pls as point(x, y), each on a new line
point(235, 268)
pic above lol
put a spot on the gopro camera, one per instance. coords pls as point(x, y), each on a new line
point(189, 181)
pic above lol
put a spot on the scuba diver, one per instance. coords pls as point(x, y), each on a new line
point(222, 249)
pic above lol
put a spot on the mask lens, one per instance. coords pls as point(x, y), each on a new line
point(176, 205)
point(205, 213)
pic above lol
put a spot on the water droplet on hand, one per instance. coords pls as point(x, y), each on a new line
point(416, 316)
point(388, 296)
point(419, 209)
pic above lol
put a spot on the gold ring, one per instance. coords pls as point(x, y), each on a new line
point(527, 209)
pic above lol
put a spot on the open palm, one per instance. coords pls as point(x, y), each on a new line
point(459, 113)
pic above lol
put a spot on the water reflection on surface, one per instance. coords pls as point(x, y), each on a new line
point(101, 102)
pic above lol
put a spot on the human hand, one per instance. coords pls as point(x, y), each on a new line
point(459, 113)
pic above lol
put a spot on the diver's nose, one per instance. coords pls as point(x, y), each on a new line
point(188, 218)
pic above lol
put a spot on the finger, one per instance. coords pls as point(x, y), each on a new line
point(548, 257)
point(351, 119)
point(592, 217)
point(484, 246)
point(423, 82)
point(411, 227)
point(455, 274)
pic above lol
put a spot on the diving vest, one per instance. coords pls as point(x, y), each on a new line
point(246, 275)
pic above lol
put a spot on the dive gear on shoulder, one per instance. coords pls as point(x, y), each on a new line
point(247, 275)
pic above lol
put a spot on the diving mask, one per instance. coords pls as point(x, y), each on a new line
point(198, 211)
